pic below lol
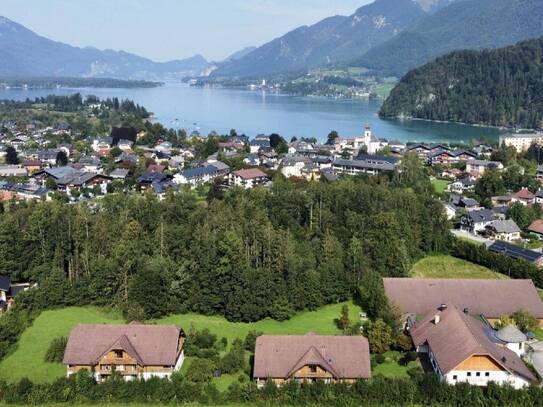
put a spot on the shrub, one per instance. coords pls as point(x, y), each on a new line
point(201, 371)
point(379, 359)
point(55, 352)
point(250, 340)
point(408, 357)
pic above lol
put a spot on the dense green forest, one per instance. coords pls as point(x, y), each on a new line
point(501, 87)
point(250, 255)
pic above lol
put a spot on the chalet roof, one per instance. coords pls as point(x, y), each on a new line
point(515, 252)
point(525, 194)
point(151, 345)
point(482, 215)
point(345, 357)
point(536, 226)
point(504, 226)
point(491, 298)
point(457, 337)
point(250, 173)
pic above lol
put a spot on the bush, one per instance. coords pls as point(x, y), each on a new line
point(201, 370)
point(234, 360)
point(408, 357)
point(379, 359)
point(55, 352)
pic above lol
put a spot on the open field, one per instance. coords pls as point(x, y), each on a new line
point(451, 267)
point(440, 185)
point(27, 360)
point(391, 367)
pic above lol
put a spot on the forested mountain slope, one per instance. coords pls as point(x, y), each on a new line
point(502, 87)
point(467, 24)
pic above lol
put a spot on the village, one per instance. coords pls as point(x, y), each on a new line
point(472, 331)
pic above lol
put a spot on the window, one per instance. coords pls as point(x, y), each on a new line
point(312, 368)
point(487, 374)
point(455, 377)
point(118, 354)
point(478, 374)
point(469, 374)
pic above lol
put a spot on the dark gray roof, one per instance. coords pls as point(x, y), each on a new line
point(5, 283)
point(200, 171)
point(482, 215)
point(368, 162)
point(515, 252)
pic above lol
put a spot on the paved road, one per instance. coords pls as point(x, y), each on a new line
point(467, 235)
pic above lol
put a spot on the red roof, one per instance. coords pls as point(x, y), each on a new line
point(156, 168)
point(525, 194)
point(250, 173)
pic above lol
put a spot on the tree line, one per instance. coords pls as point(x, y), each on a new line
point(500, 87)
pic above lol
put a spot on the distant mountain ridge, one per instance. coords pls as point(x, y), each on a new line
point(24, 53)
point(500, 87)
point(467, 24)
point(333, 40)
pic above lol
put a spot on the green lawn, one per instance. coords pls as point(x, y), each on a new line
point(27, 360)
point(391, 367)
point(451, 267)
point(440, 185)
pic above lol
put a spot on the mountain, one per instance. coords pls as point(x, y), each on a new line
point(332, 40)
point(239, 54)
point(468, 24)
point(24, 53)
point(502, 87)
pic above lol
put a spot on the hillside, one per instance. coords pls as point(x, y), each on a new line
point(332, 40)
point(502, 87)
point(468, 24)
point(24, 53)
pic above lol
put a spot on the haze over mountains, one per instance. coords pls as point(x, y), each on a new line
point(388, 37)
point(24, 53)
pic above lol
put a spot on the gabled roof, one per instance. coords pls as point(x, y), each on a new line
point(199, 171)
point(511, 334)
point(151, 345)
point(457, 337)
point(491, 298)
point(504, 226)
point(250, 173)
point(536, 226)
point(345, 357)
point(525, 194)
point(482, 215)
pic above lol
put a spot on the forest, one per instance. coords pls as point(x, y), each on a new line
point(502, 87)
point(250, 255)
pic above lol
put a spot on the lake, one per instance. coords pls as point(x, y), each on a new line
point(255, 112)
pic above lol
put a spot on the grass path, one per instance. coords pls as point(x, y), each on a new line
point(28, 359)
point(451, 267)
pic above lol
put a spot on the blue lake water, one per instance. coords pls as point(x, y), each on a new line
point(255, 112)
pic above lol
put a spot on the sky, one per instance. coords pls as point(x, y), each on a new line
point(171, 29)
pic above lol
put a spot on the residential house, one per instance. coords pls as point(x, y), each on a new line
point(13, 171)
point(119, 174)
point(125, 145)
point(177, 162)
point(490, 298)
point(30, 191)
point(248, 178)
point(539, 173)
point(506, 230)
point(463, 185)
point(156, 168)
point(447, 157)
point(291, 166)
point(478, 167)
point(503, 200)
point(476, 221)
point(536, 228)
point(158, 182)
point(512, 338)
point(460, 351)
point(538, 197)
point(425, 150)
point(231, 147)
point(525, 197)
point(365, 164)
point(257, 144)
point(32, 166)
point(9, 291)
point(460, 202)
point(102, 146)
point(133, 351)
point(197, 176)
point(91, 163)
point(516, 252)
point(311, 358)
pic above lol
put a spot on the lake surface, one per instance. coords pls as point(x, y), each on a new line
point(255, 112)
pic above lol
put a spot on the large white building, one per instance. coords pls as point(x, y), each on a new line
point(521, 141)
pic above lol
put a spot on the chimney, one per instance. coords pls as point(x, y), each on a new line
point(443, 307)
point(466, 311)
point(437, 318)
